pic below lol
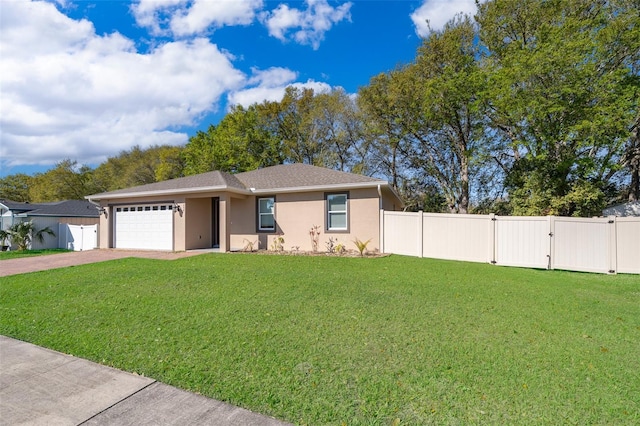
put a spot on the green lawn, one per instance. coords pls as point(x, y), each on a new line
point(325, 340)
point(14, 254)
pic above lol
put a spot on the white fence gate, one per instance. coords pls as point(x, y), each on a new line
point(77, 237)
point(605, 245)
point(522, 241)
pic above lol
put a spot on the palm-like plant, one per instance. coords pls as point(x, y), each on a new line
point(361, 245)
point(22, 233)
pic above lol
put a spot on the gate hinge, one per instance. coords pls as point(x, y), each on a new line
point(612, 221)
point(551, 234)
point(611, 271)
point(493, 262)
point(494, 219)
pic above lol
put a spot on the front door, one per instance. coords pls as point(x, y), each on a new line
point(215, 222)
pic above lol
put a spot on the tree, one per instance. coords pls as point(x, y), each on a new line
point(381, 103)
point(241, 141)
point(321, 129)
point(449, 124)
point(22, 234)
point(170, 164)
point(339, 132)
point(66, 181)
point(293, 124)
point(138, 166)
point(563, 91)
point(16, 187)
point(631, 161)
point(430, 116)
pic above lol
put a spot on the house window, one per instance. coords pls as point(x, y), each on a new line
point(266, 217)
point(337, 219)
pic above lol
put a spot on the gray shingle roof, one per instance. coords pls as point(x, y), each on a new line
point(68, 208)
point(282, 177)
point(299, 175)
point(204, 180)
point(17, 206)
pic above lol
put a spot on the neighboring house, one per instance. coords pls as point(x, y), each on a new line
point(217, 209)
point(72, 212)
point(632, 208)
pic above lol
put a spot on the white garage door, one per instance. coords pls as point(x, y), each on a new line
point(148, 226)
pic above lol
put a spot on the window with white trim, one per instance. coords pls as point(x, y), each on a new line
point(337, 212)
point(266, 217)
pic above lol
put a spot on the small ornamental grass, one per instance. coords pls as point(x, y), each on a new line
point(331, 340)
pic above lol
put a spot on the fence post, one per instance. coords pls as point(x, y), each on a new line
point(613, 245)
point(61, 244)
point(381, 230)
point(552, 249)
point(420, 233)
point(491, 258)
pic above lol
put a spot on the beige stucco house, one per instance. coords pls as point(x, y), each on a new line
point(217, 209)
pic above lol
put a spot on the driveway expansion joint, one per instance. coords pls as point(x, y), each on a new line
point(116, 403)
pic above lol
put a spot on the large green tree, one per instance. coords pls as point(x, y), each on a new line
point(322, 129)
point(449, 117)
point(243, 140)
point(339, 132)
point(292, 122)
point(139, 166)
point(383, 113)
point(16, 187)
point(66, 181)
point(429, 115)
point(563, 93)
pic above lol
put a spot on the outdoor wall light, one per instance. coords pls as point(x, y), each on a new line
point(104, 212)
point(177, 208)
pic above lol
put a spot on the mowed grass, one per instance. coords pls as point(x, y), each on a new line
point(324, 340)
point(14, 254)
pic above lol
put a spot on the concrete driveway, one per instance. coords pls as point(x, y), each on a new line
point(62, 260)
point(43, 387)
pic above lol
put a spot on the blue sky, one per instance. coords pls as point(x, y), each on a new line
point(86, 80)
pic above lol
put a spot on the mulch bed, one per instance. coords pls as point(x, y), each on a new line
point(346, 253)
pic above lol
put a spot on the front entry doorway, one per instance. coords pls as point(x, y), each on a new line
point(215, 222)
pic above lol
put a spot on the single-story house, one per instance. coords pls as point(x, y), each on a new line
point(632, 208)
point(69, 212)
point(250, 209)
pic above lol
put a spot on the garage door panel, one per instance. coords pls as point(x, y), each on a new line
point(144, 227)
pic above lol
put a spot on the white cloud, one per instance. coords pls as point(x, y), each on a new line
point(155, 14)
point(438, 13)
point(307, 26)
point(67, 92)
point(270, 85)
point(189, 17)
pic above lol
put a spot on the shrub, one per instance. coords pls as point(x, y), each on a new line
point(22, 234)
point(361, 245)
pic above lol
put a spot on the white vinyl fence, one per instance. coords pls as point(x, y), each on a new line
point(605, 245)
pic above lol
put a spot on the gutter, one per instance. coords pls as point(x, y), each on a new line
point(315, 188)
point(107, 196)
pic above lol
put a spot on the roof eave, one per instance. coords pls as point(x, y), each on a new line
point(315, 188)
point(166, 192)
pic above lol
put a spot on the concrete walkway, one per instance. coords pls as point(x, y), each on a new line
point(43, 387)
point(62, 260)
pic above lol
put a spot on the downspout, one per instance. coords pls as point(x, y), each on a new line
point(98, 206)
point(380, 221)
